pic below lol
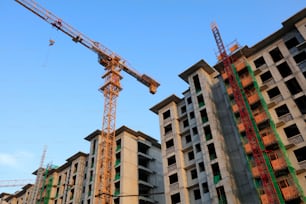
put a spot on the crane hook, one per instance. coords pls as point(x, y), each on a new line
point(51, 42)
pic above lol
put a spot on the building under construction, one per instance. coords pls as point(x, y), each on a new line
point(238, 134)
point(138, 177)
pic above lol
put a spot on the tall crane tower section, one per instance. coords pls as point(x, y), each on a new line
point(39, 177)
point(259, 158)
point(113, 64)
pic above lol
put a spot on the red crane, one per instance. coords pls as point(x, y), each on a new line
point(113, 64)
point(259, 159)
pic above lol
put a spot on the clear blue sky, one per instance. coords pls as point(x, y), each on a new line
point(49, 95)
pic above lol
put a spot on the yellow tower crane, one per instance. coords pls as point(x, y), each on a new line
point(113, 64)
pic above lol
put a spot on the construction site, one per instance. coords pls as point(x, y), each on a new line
point(237, 136)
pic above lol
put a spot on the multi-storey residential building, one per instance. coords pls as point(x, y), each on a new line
point(271, 79)
point(138, 168)
point(63, 184)
point(21, 197)
point(138, 174)
point(263, 98)
point(197, 163)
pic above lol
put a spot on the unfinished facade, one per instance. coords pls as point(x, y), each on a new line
point(138, 168)
point(138, 177)
point(270, 79)
point(197, 165)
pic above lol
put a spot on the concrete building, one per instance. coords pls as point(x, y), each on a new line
point(63, 184)
point(138, 168)
point(197, 163)
point(20, 197)
point(214, 152)
point(138, 174)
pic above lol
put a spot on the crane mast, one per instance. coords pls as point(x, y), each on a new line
point(113, 63)
point(246, 120)
point(39, 178)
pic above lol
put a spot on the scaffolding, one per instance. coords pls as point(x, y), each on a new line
point(267, 155)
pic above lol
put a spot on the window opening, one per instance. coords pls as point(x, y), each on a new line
point(266, 76)
point(301, 104)
point(169, 143)
point(185, 123)
point(171, 160)
point(183, 109)
point(205, 187)
point(190, 155)
point(194, 174)
point(197, 194)
point(293, 86)
point(259, 62)
point(300, 57)
point(166, 114)
point(197, 84)
point(284, 69)
point(200, 99)
point(300, 154)
point(175, 198)
point(276, 54)
point(293, 42)
point(173, 178)
point(282, 110)
point(273, 92)
point(291, 131)
point(168, 128)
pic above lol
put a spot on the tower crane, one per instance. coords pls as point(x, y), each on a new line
point(39, 177)
point(15, 182)
point(259, 159)
point(113, 64)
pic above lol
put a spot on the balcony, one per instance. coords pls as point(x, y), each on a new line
point(146, 200)
point(253, 98)
point(246, 81)
point(170, 150)
point(174, 186)
point(145, 156)
point(269, 139)
point(145, 184)
point(172, 167)
point(276, 99)
point(302, 164)
point(283, 119)
point(248, 148)
point(290, 193)
point(279, 164)
point(145, 169)
point(296, 139)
